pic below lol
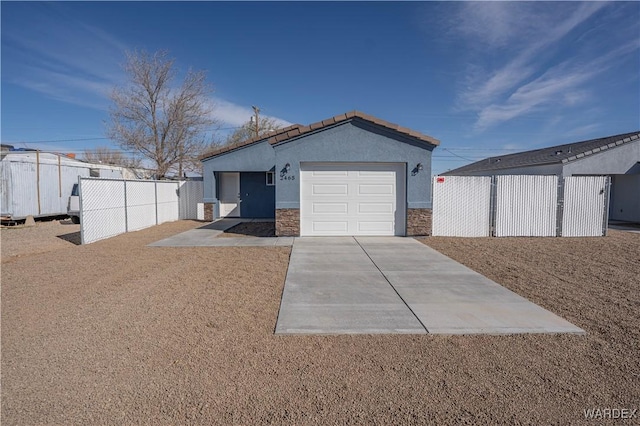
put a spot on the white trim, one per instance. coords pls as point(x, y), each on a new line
point(273, 178)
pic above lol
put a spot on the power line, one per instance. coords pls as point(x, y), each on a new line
point(102, 138)
point(466, 159)
point(61, 140)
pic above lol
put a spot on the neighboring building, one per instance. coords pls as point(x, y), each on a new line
point(616, 156)
point(39, 184)
point(352, 174)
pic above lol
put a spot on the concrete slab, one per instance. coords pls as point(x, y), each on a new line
point(317, 318)
point(339, 293)
point(486, 317)
point(450, 298)
point(398, 285)
point(206, 236)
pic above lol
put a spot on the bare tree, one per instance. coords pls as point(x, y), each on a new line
point(104, 155)
point(248, 130)
point(152, 117)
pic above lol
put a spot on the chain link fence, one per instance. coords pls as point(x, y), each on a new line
point(109, 207)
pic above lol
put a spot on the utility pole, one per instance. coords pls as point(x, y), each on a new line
point(256, 111)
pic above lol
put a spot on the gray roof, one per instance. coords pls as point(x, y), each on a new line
point(551, 155)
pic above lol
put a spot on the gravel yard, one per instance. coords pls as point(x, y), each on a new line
point(118, 332)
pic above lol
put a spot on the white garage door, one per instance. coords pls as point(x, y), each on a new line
point(352, 199)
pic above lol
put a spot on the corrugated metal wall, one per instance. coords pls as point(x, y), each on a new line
point(526, 206)
point(110, 207)
point(23, 190)
point(21, 184)
point(461, 206)
point(5, 192)
point(585, 203)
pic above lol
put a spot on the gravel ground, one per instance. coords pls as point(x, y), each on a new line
point(250, 229)
point(116, 332)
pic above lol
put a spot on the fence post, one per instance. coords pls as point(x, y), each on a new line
point(126, 209)
point(493, 206)
point(560, 206)
point(155, 188)
point(607, 195)
point(81, 212)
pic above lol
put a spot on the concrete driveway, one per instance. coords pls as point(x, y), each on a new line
point(351, 285)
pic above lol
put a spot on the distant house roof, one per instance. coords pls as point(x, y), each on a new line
point(295, 130)
point(551, 155)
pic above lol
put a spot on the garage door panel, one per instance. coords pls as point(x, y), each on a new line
point(329, 173)
point(374, 173)
point(383, 228)
point(375, 208)
point(332, 226)
point(335, 208)
point(324, 189)
point(352, 198)
point(376, 189)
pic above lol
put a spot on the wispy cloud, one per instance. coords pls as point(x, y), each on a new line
point(530, 29)
point(561, 85)
point(62, 57)
point(71, 61)
point(236, 115)
point(533, 72)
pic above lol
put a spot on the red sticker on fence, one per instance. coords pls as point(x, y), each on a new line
point(439, 179)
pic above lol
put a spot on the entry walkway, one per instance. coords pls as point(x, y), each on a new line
point(347, 285)
point(206, 236)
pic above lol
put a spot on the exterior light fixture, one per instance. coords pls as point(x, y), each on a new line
point(287, 166)
point(419, 166)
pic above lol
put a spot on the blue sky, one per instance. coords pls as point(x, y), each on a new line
point(486, 78)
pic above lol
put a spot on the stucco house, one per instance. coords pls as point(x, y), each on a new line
point(352, 174)
point(617, 156)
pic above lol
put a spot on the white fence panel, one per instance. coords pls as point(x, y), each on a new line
point(526, 206)
point(141, 205)
point(190, 193)
point(168, 204)
point(585, 201)
point(102, 210)
point(461, 206)
point(109, 207)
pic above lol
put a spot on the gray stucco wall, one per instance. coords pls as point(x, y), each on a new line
point(625, 198)
point(353, 141)
point(613, 161)
point(253, 158)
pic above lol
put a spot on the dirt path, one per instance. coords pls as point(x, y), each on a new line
point(118, 332)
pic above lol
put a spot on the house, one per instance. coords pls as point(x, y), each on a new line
point(616, 156)
point(352, 174)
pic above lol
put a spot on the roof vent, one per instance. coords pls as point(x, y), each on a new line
point(559, 152)
point(498, 160)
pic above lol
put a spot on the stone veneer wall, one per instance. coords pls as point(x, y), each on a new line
point(418, 222)
point(208, 212)
point(287, 222)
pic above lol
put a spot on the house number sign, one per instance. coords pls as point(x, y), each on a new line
point(287, 177)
